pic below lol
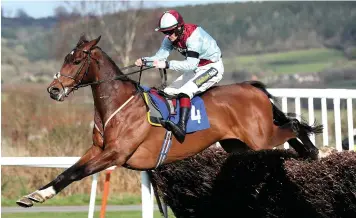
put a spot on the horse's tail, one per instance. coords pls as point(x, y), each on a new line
point(280, 118)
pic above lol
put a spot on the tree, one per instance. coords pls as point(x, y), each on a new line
point(116, 21)
point(61, 12)
point(125, 27)
point(20, 13)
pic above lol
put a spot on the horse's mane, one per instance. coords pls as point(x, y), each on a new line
point(116, 68)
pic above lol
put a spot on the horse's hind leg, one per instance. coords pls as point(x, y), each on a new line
point(299, 148)
point(312, 151)
point(300, 130)
point(303, 135)
point(306, 149)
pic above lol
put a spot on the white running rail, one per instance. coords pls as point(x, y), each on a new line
point(322, 95)
point(66, 162)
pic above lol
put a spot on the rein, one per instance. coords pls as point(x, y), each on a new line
point(57, 76)
point(163, 74)
point(116, 77)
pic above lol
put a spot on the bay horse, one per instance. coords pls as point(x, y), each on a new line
point(241, 116)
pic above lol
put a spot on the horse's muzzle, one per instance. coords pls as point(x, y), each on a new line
point(55, 93)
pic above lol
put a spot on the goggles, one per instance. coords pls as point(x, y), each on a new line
point(168, 32)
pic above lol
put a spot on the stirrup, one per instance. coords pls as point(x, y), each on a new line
point(164, 124)
point(171, 126)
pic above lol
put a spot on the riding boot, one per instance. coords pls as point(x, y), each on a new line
point(179, 129)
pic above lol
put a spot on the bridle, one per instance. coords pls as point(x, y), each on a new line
point(79, 84)
point(74, 78)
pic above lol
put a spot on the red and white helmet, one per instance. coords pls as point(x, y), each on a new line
point(169, 21)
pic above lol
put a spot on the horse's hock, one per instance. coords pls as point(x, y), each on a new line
point(271, 183)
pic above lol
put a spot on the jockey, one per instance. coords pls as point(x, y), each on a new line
point(202, 67)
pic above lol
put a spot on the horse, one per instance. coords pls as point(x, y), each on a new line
point(241, 117)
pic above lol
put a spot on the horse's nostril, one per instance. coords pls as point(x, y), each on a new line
point(54, 90)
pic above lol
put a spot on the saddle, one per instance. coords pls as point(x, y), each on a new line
point(162, 106)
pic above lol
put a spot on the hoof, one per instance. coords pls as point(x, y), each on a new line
point(36, 197)
point(316, 154)
point(313, 156)
point(295, 126)
point(24, 202)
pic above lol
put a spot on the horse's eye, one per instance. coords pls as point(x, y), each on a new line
point(76, 62)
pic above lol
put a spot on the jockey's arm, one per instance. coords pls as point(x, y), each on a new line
point(189, 64)
point(163, 52)
point(194, 46)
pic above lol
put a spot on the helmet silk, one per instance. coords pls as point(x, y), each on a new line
point(169, 20)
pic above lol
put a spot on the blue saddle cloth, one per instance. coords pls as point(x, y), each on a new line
point(198, 119)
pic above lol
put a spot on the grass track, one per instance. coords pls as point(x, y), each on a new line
point(82, 199)
point(109, 214)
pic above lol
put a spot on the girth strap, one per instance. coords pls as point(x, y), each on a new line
point(167, 142)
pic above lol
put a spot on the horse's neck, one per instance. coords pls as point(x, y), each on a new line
point(109, 96)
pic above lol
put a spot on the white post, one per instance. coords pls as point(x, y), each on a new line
point(147, 196)
point(285, 110)
point(324, 117)
point(284, 104)
point(350, 124)
point(297, 108)
point(337, 118)
point(311, 116)
point(94, 184)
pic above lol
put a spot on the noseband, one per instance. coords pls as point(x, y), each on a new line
point(74, 78)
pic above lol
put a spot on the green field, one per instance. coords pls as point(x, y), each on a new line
point(122, 199)
point(300, 61)
point(109, 214)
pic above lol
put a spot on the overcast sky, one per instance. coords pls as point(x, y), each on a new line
point(42, 8)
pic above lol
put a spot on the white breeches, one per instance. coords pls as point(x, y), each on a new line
point(194, 82)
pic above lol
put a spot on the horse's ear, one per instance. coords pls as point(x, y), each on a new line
point(83, 39)
point(91, 44)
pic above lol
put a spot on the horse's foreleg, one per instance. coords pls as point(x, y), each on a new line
point(48, 191)
point(102, 161)
point(112, 155)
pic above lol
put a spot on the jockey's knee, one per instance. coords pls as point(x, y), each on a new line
point(186, 94)
point(171, 91)
point(183, 95)
point(179, 93)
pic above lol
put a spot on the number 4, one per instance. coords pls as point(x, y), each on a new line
point(195, 114)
